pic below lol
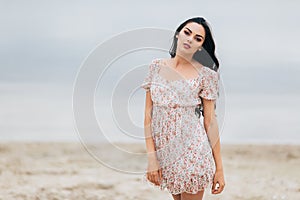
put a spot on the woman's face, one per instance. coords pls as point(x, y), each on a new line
point(190, 38)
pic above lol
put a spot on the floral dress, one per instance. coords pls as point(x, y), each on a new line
point(182, 146)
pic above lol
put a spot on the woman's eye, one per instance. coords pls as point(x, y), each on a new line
point(187, 33)
point(198, 39)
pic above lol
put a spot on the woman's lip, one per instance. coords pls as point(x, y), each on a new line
point(186, 45)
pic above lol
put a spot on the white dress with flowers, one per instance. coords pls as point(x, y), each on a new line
point(182, 146)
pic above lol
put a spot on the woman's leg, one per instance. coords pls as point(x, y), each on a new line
point(188, 196)
point(176, 196)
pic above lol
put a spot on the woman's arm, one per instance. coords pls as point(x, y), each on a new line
point(147, 126)
point(211, 128)
point(154, 173)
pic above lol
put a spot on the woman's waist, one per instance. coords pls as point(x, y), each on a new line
point(174, 104)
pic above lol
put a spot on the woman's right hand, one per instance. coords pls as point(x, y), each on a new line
point(154, 173)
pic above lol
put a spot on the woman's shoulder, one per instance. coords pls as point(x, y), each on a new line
point(209, 74)
point(158, 61)
point(154, 64)
point(209, 71)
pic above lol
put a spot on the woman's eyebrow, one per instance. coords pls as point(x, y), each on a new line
point(196, 34)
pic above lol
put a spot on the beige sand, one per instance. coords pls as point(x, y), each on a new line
point(67, 171)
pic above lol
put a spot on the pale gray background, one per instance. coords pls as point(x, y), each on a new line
point(43, 44)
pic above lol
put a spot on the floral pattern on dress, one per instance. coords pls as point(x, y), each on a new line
point(182, 146)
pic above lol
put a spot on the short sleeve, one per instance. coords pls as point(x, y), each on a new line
point(210, 85)
point(148, 79)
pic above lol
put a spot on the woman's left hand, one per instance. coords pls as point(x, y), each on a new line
point(218, 180)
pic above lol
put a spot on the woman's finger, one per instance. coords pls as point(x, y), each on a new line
point(151, 178)
point(219, 189)
point(156, 178)
point(160, 174)
point(213, 188)
point(222, 187)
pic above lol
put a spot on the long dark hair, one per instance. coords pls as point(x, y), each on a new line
point(207, 55)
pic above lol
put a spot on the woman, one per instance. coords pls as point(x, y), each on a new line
point(184, 149)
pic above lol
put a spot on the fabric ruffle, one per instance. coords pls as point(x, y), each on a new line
point(176, 182)
point(149, 77)
point(210, 84)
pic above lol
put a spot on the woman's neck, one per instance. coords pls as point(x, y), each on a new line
point(182, 61)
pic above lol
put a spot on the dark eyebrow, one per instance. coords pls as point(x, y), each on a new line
point(196, 34)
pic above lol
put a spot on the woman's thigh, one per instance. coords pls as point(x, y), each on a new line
point(176, 196)
point(188, 196)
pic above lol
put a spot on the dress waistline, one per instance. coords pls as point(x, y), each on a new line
point(195, 107)
point(173, 105)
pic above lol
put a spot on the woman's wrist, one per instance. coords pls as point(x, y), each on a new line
point(151, 155)
point(219, 169)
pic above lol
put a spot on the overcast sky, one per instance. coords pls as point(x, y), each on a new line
point(48, 40)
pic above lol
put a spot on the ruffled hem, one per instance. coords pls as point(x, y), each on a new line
point(196, 188)
point(182, 176)
point(192, 182)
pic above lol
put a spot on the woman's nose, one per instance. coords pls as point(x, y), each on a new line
point(189, 39)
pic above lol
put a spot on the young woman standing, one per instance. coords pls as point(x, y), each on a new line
point(184, 151)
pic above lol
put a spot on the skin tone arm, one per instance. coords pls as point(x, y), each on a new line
point(211, 128)
point(147, 125)
point(154, 174)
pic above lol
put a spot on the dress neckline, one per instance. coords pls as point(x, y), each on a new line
point(190, 79)
point(159, 67)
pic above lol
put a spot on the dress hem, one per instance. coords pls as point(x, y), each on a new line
point(164, 188)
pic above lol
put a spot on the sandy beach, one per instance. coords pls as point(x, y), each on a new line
point(67, 171)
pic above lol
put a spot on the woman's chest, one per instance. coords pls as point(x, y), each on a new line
point(188, 88)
